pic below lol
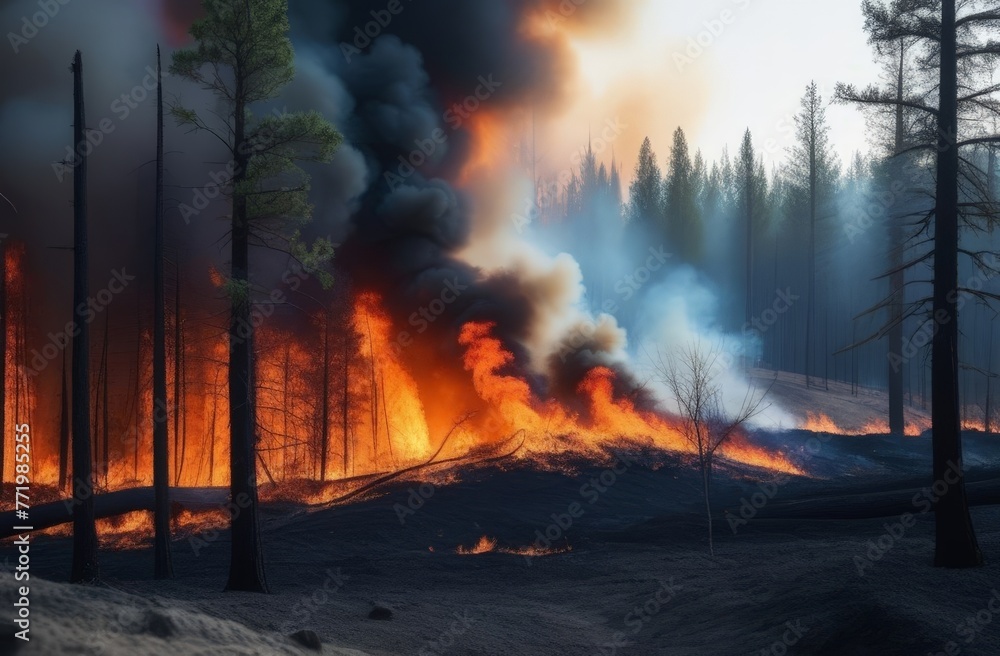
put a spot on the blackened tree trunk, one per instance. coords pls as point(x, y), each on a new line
point(138, 387)
point(324, 443)
point(180, 381)
point(246, 568)
point(956, 544)
point(85, 568)
point(897, 278)
point(163, 565)
point(346, 407)
point(105, 434)
point(243, 54)
point(64, 429)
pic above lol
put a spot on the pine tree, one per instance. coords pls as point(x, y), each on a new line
point(683, 223)
point(646, 188)
point(243, 54)
point(956, 46)
point(812, 173)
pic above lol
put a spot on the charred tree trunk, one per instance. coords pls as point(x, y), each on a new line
point(897, 279)
point(324, 440)
point(385, 413)
point(96, 433)
point(211, 433)
point(85, 568)
point(246, 567)
point(105, 433)
point(177, 374)
point(64, 429)
point(286, 402)
point(988, 410)
point(374, 393)
point(956, 544)
point(162, 561)
point(138, 388)
point(346, 406)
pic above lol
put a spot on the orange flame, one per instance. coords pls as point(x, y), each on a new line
point(486, 129)
point(372, 392)
point(822, 423)
point(484, 545)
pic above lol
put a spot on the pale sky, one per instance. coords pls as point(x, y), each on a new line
point(751, 74)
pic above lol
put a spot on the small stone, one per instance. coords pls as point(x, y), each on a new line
point(380, 613)
point(159, 624)
point(307, 639)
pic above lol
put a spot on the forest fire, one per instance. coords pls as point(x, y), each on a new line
point(358, 411)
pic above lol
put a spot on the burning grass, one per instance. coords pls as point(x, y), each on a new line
point(822, 423)
point(486, 544)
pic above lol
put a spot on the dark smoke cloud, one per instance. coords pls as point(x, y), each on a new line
point(399, 241)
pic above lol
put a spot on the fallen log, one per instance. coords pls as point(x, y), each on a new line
point(113, 504)
point(872, 505)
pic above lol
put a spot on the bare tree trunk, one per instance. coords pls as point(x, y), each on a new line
point(956, 544)
point(177, 372)
point(105, 434)
point(163, 562)
point(138, 387)
point(211, 435)
point(64, 429)
point(85, 568)
point(374, 395)
point(97, 416)
point(385, 412)
point(324, 442)
point(347, 396)
point(988, 413)
point(286, 401)
point(897, 280)
point(708, 505)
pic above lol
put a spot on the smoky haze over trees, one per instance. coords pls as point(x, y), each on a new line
point(839, 271)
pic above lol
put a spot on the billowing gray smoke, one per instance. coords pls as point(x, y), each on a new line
point(401, 74)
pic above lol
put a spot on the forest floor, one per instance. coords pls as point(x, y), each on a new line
point(637, 580)
point(838, 562)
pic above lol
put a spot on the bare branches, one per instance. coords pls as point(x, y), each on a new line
point(847, 93)
point(693, 375)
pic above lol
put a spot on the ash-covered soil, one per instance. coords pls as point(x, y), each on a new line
point(825, 565)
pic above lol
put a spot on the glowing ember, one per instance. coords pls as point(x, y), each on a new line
point(536, 552)
point(489, 545)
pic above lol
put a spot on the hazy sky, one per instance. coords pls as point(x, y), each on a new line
point(751, 73)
